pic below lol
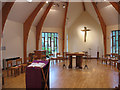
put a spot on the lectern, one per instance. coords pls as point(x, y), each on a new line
point(36, 77)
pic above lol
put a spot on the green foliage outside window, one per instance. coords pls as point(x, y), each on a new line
point(50, 42)
point(115, 42)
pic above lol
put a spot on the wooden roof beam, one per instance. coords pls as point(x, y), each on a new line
point(27, 25)
point(66, 10)
point(5, 12)
point(84, 9)
point(40, 24)
point(103, 25)
point(116, 6)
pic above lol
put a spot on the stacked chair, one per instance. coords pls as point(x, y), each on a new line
point(60, 56)
point(43, 57)
point(52, 58)
point(14, 68)
point(114, 59)
point(11, 68)
point(111, 58)
point(18, 67)
point(29, 60)
point(106, 59)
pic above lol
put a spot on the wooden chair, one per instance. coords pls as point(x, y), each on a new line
point(19, 64)
point(9, 65)
point(106, 59)
point(59, 56)
point(51, 55)
point(23, 67)
point(12, 68)
point(29, 61)
point(52, 58)
point(34, 57)
point(43, 57)
point(114, 59)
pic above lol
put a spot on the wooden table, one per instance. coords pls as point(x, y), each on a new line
point(79, 56)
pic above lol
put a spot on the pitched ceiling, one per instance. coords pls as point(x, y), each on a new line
point(55, 17)
point(38, 17)
point(21, 10)
point(108, 12)
point(74, 11)
point(91, 11)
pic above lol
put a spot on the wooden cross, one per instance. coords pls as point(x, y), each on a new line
point(85, 30)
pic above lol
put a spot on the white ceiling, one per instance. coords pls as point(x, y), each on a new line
point(21, 10)
point(39, 15)
point(55, 17)
point(90, 9)
point(74, 11)
point(108, 12)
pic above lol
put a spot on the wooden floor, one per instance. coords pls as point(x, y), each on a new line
point(97, 76)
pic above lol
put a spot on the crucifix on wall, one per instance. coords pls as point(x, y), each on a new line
point(85, 30)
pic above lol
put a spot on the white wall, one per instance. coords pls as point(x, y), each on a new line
point(94, 37)
point(13, 40)
point(109, 29)
point(31, 44)
point(56, 30)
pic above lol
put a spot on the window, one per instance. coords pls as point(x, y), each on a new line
point(50, 42)
point(115, 42)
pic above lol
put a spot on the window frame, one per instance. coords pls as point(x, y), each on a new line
point(115, 44)
point(51, 37)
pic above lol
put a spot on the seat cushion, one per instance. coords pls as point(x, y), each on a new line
point(16, 67)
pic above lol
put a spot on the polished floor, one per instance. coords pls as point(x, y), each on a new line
point(97, 76)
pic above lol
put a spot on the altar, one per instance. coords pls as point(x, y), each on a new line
point(79, 56)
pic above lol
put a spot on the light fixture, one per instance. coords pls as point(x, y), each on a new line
point(63, 6)
point(105, 0)
point(46, 1)
point(29, 0)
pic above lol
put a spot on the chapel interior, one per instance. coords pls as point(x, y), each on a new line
point(59, 44)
